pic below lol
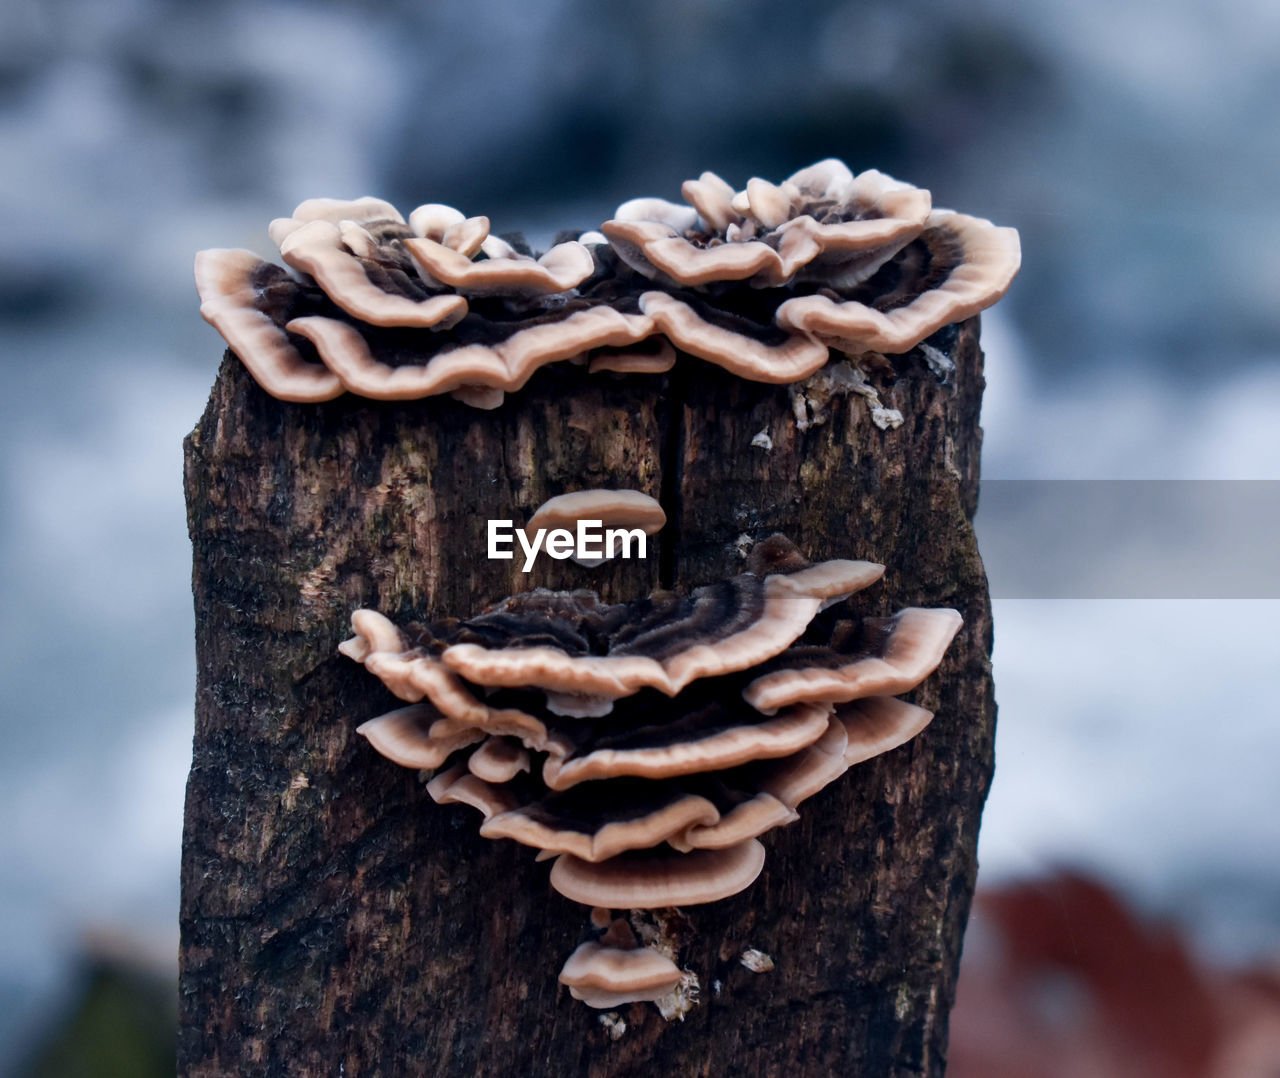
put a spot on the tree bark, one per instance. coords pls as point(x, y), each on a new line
point(336, 921)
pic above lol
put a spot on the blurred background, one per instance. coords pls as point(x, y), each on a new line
point(1132, 838)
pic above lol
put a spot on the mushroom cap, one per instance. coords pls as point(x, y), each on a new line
point(374, 633)
point(412, 674)
point(434, 219)
point(506, 365)
point(798, 777)
point(878, 724)
point(653, 245)
point(603, 976)
point(460, 786)
point(822, 179)
point(769, 204)
point(446, 225)
point(498, 759)
point(750, 819)
point(712, 197)
point(418, 736)
point(654, 356)
point(598, 821)
point(711, 738)
point(317, 249)
point(652, 879)
point(362, 211)
point(673, 215)
point(230, 284)
point(757, 353)
point(906, 649)
point(613, 508)
point(956, 267)
point(505, 271)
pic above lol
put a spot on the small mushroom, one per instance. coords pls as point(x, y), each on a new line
point(613, 508)
point(603, 976)
point(446, 225)
point(375, 633)
point(628, 509)
point(460, 786)
point(498, 759)
point(712, 197)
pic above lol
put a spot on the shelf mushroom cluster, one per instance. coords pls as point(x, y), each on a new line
point(647, 745)
point(763, 281)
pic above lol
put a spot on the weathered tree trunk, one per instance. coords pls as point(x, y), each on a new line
point(336, 921)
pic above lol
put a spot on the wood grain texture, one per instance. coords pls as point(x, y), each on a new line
point(336, 921)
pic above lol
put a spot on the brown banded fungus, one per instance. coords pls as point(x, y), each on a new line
point(765, 282)
point(720, 712)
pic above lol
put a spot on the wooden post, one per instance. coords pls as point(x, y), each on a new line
point(336, 921)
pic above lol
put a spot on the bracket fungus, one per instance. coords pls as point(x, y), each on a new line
point(647, 746)
point(765, 282)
